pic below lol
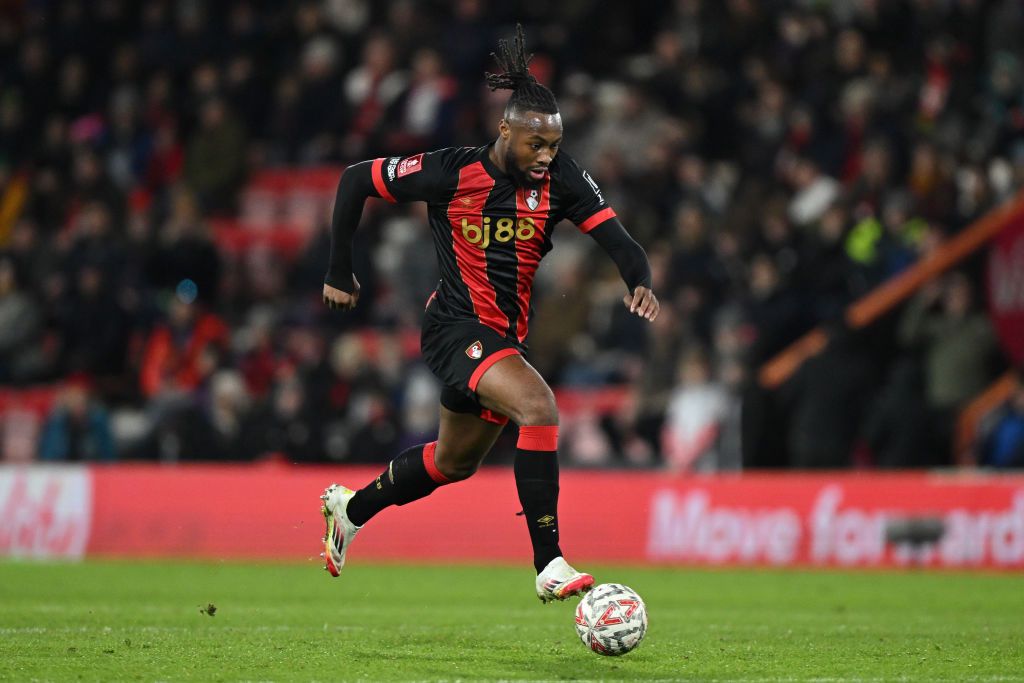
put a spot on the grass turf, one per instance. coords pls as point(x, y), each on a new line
point(147, 621)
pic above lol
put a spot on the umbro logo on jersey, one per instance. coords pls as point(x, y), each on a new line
point(475, 350)
point(532, 200)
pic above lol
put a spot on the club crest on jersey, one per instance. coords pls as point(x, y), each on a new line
point(533, 200)
point(410, 165)
point(475, 350)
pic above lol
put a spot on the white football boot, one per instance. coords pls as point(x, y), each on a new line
point(340, 531)
point(559, 581)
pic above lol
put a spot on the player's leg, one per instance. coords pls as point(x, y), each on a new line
point(512, 387)
point(462, 442)
point(464, 439)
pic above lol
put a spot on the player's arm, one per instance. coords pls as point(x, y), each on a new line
point(341, 289)
point(396, 179)
point(631, 260)
point(589, 211)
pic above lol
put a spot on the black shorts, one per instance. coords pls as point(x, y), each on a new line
point(458, 353)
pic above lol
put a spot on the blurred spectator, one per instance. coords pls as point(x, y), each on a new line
point(184, 250)
point(215, 158)
point(182, 351)
point(226, 413)
point(773, 309)
point(958, 345)
point(284, 425)
point(875, 178)
point(96, 326)
point(814, 194)
point(693, 421)
point(20, 325)
point(958, 340)
point(127, 145)
point(827, 399)
point(374, 85)
point(167, 159)
point(77, 428)
point(425, 116)
point(318, 101)
point(931, 183)
point(897, 423)
point(823, 266)
point(886, 247)
point(91, 184)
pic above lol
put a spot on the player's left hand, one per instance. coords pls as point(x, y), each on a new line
point(643, 303)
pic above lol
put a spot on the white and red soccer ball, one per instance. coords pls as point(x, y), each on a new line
point(611, 619)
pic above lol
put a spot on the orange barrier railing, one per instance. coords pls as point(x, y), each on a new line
point(971, 416)
point(887, 296)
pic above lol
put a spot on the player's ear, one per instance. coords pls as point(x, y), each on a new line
point(504, 129)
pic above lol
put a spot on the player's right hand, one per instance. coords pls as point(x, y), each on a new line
point(339, 300)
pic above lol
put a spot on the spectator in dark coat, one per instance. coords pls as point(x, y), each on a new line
point(827, 397)
point(897, 424)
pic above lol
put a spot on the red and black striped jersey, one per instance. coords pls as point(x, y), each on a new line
point(489, 234)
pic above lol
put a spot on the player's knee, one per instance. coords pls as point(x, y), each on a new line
point(538, 409)
point(460, 471)
point(456, 466)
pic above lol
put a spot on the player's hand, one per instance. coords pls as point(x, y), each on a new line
point(339, 300)
point(643, 303)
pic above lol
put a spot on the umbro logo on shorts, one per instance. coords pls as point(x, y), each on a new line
point(475, 350)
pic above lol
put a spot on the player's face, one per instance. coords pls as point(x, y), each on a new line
point(533, 141)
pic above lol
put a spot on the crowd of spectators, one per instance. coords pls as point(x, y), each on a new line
point(776, 159)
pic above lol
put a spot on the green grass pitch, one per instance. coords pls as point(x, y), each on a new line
point(130, 621)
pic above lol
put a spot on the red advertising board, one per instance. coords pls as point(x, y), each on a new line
point(272, 511)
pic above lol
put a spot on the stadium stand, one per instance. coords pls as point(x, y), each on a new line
point(167, 169)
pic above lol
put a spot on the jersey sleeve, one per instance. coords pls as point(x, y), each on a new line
point(585, 205)
point(420, 177)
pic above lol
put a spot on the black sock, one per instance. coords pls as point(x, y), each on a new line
point(410, 476)
point(537, 482)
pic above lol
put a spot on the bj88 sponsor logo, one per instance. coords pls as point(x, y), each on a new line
point(501, 230)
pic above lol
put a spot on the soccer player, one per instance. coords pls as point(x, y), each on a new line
point(491, 213)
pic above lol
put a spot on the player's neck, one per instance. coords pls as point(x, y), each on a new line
point(497, 155)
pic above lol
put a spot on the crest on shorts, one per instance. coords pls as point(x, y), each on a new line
point(475, 350)
point(532, 200)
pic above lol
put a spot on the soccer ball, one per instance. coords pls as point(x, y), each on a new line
point(611, 619)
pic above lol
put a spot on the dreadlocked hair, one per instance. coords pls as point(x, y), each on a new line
point(527, 93)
